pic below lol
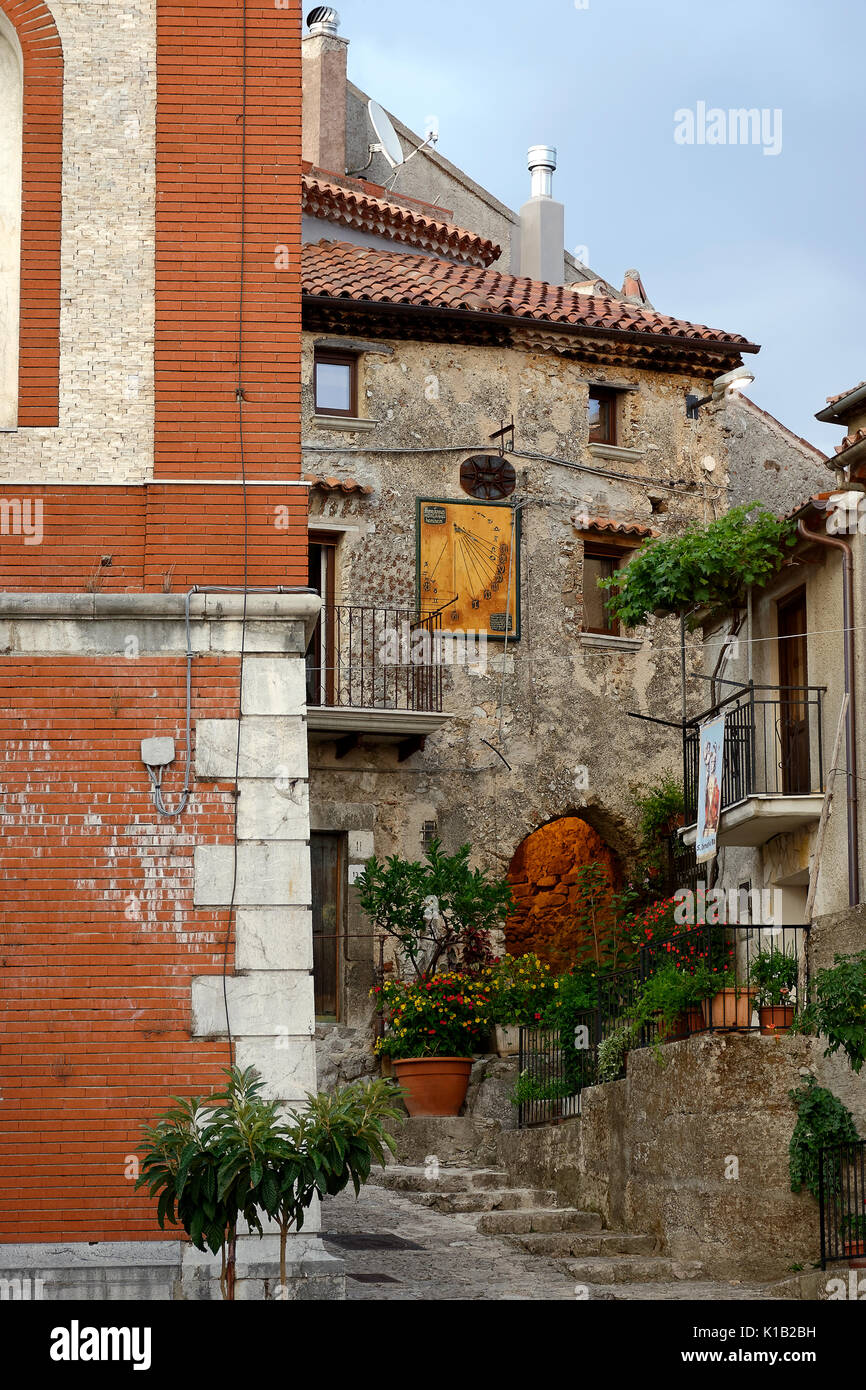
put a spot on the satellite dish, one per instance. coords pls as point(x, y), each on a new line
point(389, 141)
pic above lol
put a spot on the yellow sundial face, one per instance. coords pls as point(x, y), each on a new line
point(467, 554)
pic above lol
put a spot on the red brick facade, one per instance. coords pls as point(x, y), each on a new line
point(100, 935)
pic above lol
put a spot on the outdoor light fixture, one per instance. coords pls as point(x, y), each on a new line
point(731, 384)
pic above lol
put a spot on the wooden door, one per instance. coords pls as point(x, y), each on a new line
point(793, 696)
point(327, 857)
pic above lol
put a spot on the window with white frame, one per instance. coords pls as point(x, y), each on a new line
point(11, 128)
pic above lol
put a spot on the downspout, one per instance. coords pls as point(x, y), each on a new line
point(820, 538)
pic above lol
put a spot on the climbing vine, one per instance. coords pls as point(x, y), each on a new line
point(705, 567)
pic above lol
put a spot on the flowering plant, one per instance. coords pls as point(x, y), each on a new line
point(520, 989)
point(447, 1015)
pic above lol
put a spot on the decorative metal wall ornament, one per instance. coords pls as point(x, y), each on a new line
point(488, 477)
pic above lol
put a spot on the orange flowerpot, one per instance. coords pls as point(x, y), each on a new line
point(775, 1018)
point(433, 1085)
point(675, 1030)
point(730, 1008)
point(695, 1017)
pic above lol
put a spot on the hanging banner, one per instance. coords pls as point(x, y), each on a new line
point(710, 774)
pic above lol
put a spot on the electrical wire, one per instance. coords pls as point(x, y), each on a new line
point(242, 451)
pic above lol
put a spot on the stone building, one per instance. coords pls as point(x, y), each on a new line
point(483, 446)
point(150, 473)
point(793, 818)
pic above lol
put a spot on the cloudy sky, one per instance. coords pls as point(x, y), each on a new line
point(768, 245)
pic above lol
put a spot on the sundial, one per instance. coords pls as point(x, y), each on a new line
point(465, 561)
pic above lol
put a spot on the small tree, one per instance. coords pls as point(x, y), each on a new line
point(436, 909)
point(213, 1162)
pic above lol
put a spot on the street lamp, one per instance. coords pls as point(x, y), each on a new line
point(731, 384)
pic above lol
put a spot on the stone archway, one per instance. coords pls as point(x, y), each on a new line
point(544, 875)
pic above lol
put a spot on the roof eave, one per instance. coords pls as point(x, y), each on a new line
point(716, 347)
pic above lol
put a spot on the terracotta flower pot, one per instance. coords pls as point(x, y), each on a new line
point(852, 1248)
point(775, 1018)
point(730, 1008)
point(506, 1041)
point(675, 1030)
point(433, 1085)
point(695, 1019)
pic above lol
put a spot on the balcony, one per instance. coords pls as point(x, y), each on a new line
point(376, 672)
point(773, 774)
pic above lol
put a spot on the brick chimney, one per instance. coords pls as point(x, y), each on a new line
point(325, 65)
point(542, 222)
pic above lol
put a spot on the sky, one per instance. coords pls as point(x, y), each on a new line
point(770, 245)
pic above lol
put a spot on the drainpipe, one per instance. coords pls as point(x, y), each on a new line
point(834, 542)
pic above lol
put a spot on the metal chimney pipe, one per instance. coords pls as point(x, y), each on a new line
point(542, 164)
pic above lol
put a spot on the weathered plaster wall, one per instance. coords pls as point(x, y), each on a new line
point(767, 461)
point(566, 737)
point(786, 859)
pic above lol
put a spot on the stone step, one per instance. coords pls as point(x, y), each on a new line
point(538, 1219)
point(686, 1290)
point(460, 1142)
point(479, 1200)
point(563, 1245)
point(410, 1179)
point(625, 1269)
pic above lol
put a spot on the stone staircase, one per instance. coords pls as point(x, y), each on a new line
point(531, 1220)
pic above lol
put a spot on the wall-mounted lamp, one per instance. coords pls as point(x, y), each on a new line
point(731, 384)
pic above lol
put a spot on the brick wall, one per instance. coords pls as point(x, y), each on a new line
point(100, 937)
point(158, 537)
point(198, 239)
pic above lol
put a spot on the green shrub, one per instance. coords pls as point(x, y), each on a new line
point(822, 1120)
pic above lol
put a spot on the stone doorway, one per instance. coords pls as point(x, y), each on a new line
point(544, 877)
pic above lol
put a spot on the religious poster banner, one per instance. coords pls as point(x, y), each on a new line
point(710, 774)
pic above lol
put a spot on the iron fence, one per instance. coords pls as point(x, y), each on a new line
point(554, 1065)
point(376, 658)
point(773, 745)
point(750, 977)
point(842, 1195)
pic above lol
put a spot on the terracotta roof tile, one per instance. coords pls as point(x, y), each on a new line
point(621, 528)
point(850, 441)
point(363, 274)
point(834, 400)
point(355, 205)
point(346, 485)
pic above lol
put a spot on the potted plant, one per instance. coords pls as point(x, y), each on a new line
point(774, 975)
point(520, 989)
point(433, 1028)
point(853, 1232)
point(439, 912)
point(613, 1051)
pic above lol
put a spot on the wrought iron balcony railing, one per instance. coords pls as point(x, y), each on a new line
point(363, 657)
point(773, 745)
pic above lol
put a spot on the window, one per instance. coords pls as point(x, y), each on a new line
point(11, 105)
point(602, 415)
point(599, 562)
point(336, 384)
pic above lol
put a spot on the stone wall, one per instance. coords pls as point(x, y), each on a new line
point(693, 1151)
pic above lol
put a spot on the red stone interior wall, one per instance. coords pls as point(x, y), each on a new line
point(543, 876)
